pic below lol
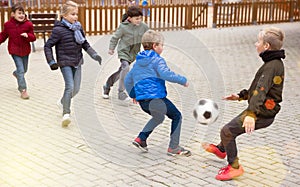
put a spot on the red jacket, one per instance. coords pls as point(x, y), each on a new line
point(17, 44)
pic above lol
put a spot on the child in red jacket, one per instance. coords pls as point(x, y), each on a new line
point(19, 31)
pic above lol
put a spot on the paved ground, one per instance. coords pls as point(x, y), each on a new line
point(96, 150)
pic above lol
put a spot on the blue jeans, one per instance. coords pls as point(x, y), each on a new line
point(21, 68)
point(158, 108)
point(72, 78)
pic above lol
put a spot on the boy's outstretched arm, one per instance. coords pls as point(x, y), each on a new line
point(167, 74)
point(231, 97)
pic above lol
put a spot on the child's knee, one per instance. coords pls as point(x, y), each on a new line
point(225, 132)
point(177, 116)
point(124, 65)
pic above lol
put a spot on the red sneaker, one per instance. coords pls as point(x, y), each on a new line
point(213, 149)
point(141, 144)
point(228, 173)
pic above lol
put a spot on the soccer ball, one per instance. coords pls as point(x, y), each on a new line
point(206, 111)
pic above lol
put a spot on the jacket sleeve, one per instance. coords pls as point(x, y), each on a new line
point(86, 44)
point(165, 73)
point(263, 86)
point(54, 38)
point(244, 94)
point(115, 38)
point(129, 85)
point(3, 35)
point(31, 36)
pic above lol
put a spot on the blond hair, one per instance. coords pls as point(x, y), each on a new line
point(151, 37)
point(67, 7)
point(273, 36)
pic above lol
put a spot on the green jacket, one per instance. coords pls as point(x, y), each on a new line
point(265, 92)
point(128, 37)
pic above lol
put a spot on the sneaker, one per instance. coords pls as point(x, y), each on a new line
point(106, 91)
point(142, 145)
point(66, 120)
point(228, 173)
point(211, 148)
point(24, 95)
point(59, 105)
point(179, 151)
point(123, 96)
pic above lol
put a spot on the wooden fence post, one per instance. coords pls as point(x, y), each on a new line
point(82, 17)
point(254, 12)
point(188, 17)
point(215, 14)
point(291, 11)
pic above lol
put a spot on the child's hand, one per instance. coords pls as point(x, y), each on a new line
point(111, 52)
point(249, 124)
point(231, 97)
point(186, 84)
point(54, 66)
point(97, 58)
point(134, 101)
point(25, 35)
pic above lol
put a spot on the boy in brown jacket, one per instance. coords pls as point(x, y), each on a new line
point(263, 96)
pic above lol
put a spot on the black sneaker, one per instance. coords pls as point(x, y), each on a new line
point(179, 151)
point(106, 91)
point(142, 145)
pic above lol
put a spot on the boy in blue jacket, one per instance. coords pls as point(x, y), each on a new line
point(145, 83)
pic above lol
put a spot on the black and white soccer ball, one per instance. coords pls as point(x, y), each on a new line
point(206, 111)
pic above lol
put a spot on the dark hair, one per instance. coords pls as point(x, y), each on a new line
point(17, 6)
point(134, 11)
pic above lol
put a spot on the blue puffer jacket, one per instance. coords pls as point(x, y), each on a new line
point(146, 80)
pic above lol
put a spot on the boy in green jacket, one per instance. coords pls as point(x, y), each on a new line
point(128, 37)
point(263, 96)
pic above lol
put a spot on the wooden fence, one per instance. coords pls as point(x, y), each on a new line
point(89, 3)
point(105, 19)
point(248, 13)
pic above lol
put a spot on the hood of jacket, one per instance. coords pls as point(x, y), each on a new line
point(146, 57)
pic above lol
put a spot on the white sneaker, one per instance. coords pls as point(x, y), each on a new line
point(106, 91)
point(66, 120)
point(105, 96)
point(59, 105)
point(123, 96)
